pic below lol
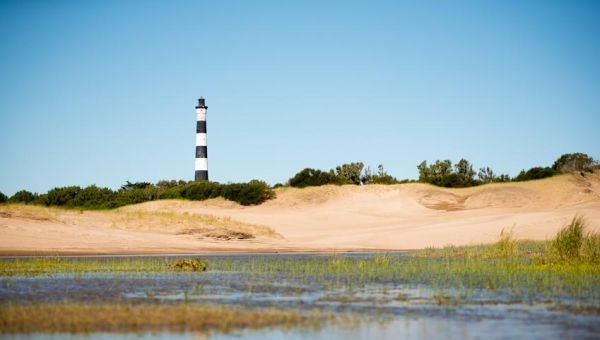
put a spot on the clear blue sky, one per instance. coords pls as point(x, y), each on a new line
point(100, 92)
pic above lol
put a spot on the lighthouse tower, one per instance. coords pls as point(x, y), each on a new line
point(201, 151)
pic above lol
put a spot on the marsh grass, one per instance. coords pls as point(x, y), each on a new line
point(83, 318)
point(54, 265)
point(511, 269)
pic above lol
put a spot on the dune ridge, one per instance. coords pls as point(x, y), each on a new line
point(328, 218)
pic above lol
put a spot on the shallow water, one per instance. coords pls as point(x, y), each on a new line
point(383, 309)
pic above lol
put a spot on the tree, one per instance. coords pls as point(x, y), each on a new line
point(314, 177)
point(23, 196)
point(486, 175)
point(137, 185)
point(537, 172)
point(381, 177)
point(93, 197)
point(465, 172)
point(62, 196)
point(351, 173)
point(3, 198)
point(570, 162)
point(502, 178)
point(442, 173)
point(423, 172)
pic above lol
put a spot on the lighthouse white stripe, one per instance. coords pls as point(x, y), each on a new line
point(201, 164)
point(201, 139)
point(200, 114)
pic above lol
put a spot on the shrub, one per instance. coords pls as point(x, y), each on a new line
point(251, 193)
point(350, 173)
point(442, 173)
point(3, 198)
point(535, 173)
point(23, 196)
point(570, 162)
point(380, 177)
point(63, 196)
point(137, 185)
point(199, 191)
point(567, 244)
point(590, 249)
point(189, 265)
point(314, 177)
point(135, 196)
point(40, 199)
point(93, 197)
point(507, 244)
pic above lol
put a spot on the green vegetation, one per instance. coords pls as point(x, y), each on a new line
point(565, 270)
point(189, 265)
point(571, 162)
point(54, 265)
point(313, 177)
point(572, 243)
point(23, 196)
point(116, 317)
point(351, 173)
point(462, 174)
point(3, 198)
point(94, 197)
point(440, 173)
point(535, 173)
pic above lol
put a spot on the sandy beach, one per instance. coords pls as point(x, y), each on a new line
point(328, 218)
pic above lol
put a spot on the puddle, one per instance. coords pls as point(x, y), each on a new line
point(384, 310)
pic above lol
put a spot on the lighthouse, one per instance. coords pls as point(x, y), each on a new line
point(201, 151)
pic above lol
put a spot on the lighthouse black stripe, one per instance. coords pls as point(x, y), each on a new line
point(201, 126)
point(201, 175)
point(201, 152)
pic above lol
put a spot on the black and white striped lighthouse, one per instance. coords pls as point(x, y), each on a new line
point(201, 150)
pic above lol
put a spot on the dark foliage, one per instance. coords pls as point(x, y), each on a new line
point(251, 193)
point(351, 173)
point(314, 177)
point(570, 162)
point(63, 196)
point(200, 191)
point(137, 185)
point(535, 173)
point(23, 196)
point(93, 197)
point(380, 177)
point(442, 173)
point(3, 198)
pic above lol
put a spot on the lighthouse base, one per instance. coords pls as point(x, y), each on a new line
point(201, 175)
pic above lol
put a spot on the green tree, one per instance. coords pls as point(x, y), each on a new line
point(380, 177)
point(3, 198)
point(465, 171)
point(23, 196)
point(537, 172)
point(486, 175)
point(314, 177)
point(62, 196)
point(93, 197)
point(351, 173)
point(570, 162)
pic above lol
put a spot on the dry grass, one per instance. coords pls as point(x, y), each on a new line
point(201, 225)
point(77, 318)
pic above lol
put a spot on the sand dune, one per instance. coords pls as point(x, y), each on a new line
point(406, 216)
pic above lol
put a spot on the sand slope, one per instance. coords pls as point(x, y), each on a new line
point(405, 216)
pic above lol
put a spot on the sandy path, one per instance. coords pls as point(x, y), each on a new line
point(404, 216)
